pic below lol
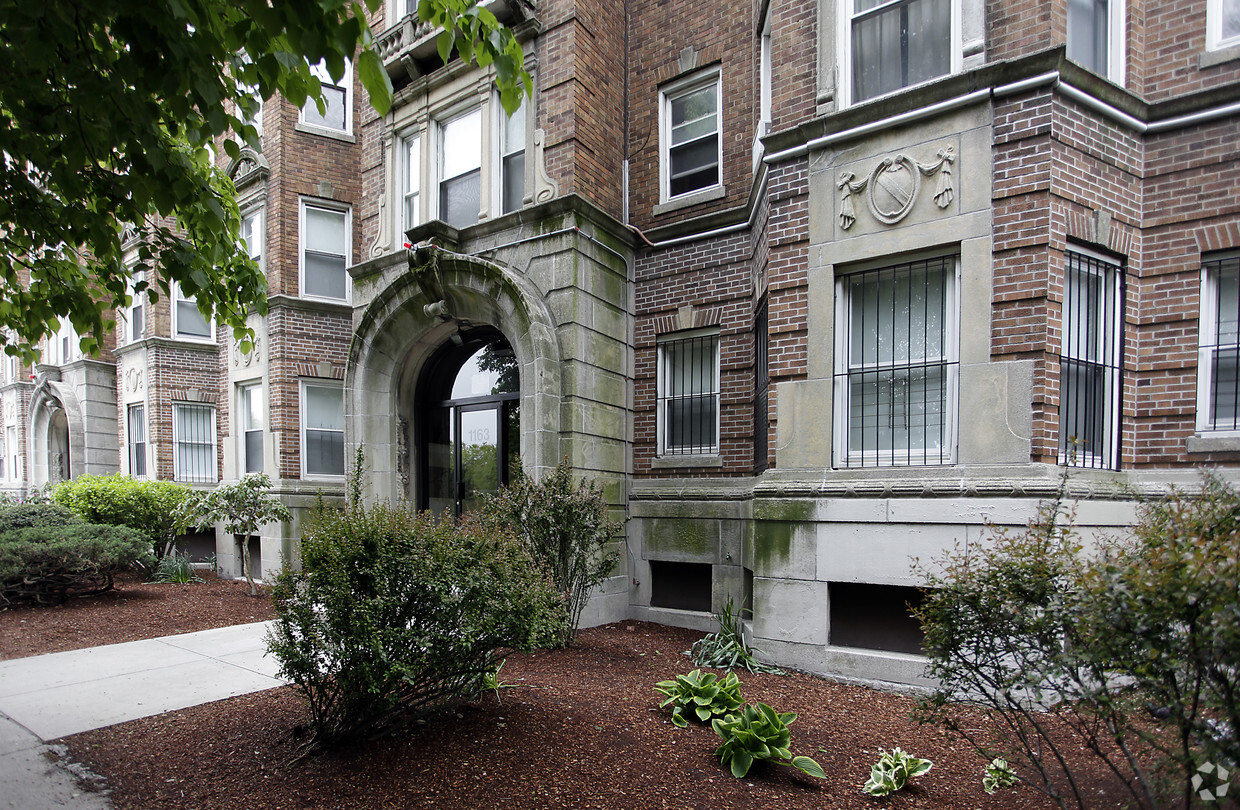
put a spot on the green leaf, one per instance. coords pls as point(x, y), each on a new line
point(809, 766)
point(741, 763)
point(376, 80)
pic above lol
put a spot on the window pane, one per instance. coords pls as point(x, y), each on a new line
point(694, 166)
point(901, 45)
point(1223, 346)
point(335, 117)
point(514, 182)
point(514, 130)
point(412, 180)
point(194, 452)
point(1087, 34)
point(252, 235)
point(461, 199)
point(462, 145)
point(325, 231)
point(1089, 365)
point(324, 452)
point(694, 113)
point(1231, 18)
point(137, 440)
point(253, 451)
point(324, 408)
point(325, 276)
point(252, 428)
point(190, 322)
point(690, 395)
point(323, 421)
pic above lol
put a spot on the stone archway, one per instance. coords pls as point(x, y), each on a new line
point(59, 442)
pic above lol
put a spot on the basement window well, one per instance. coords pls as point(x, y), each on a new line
point(680, 585)
point(875, 617)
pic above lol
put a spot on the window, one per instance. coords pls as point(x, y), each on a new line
point(511, 158)
point(1218, 363)
point(764, 77)
point(893, 44)
point(411, 181)
point(761, 388)
point(3, 457)
point(1222, 23)
point(250, 408)
point(324, 252)
point(460, 169)
point(691, 151)
point(688, 395)
point(252, 233)
point(1096, 36)
point(135, 314)
point(1089, 368)
point(322, 420)
point(187, 321)
point(193, 443)
point(10, 443)
point(339, 98)
point(896, 362)
point(136, 432)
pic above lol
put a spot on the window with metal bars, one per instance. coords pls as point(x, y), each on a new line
point(761, 386)
point(896, 365)
point(137, 440)
point(1089, 367)
point(688, 395)
point(1218, 363)
point(193, 443)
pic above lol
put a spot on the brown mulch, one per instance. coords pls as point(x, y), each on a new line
point(580, 728)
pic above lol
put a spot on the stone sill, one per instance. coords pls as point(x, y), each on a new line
point(335, 134)
point(677, 462)
point(1226, 443)
point(693, 198)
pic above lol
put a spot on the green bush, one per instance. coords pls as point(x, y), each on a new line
point(701, 695)
point(175, 568)
point(394, 616)
point(24, 515)
point(47, 564)
point(759, 733)
point(155, 508)
point(565, 529)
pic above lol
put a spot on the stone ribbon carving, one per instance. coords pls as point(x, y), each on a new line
point(892, 187)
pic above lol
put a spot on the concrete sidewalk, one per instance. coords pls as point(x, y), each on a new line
point(51, 696)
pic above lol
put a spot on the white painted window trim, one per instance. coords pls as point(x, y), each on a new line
point(13, 449)
point(1215, 40)
point(1207, 327)
point(129, 440)
point(844, 88)
point(135, 302)
point(663, 385)
point(433, 178)
point(256, 252)
point(346, 83)
point(499, 151)
point(335, 207)
point(176, 444)
point(177, 297)
point(673, 91)
point(402, 178)
point(301, 425)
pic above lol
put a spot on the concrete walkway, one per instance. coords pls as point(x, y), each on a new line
point(51, 696)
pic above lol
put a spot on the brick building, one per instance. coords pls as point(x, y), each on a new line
point(814, 289)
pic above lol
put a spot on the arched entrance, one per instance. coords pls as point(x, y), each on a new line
point(57, 447)
point(467, 420)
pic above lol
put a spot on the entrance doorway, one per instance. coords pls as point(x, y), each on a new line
point(469, 426)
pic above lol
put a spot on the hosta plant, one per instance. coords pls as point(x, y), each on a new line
point(997, 776)
point(893, 771)
point(702, 695)
point(759, 733)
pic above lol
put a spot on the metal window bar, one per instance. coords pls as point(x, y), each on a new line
point(762, 384)
point(1222, 344)
point(897, 373)
point(195, 442)
point(1089, 368)
point(689, 398)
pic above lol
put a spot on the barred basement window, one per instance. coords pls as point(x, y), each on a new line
point(688, 395)
point(1089, 368)
point(762, 385)
point(1218, 362)
point(896, 365)
point(137, 440)
point(193, 443)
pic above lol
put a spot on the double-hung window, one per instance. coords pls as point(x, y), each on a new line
point(761, 388)
point(252, 232)
point(3, 458)
point(1218, 362)
point(691, 149)
point(10, 442)
point(893, 44)
point(324, 252)
point(135, 429)
point(460, 169)
point(322, 422)
point(135, 314)
point(1096, 36)
point(688, 395)
point(511, 168)
point(250, 408)
point(410, 181)
point(1090, 365)
point(187, 322)
point(1222, 24)
point(338, 95)
point(193, 442)
point(896, 365)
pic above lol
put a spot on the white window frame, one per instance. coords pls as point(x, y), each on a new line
point(411, 146)
point(177, 443)
point(765, 70)
point(1117, 38)
point(178, 298)
point(501, 151)
point(138, 302)
point(243, 428)
point(667, 95)
point(319, 70)
point(664, 396)
point(1215, 12)
point(1109, 333)
point(948, 360)
point(130, 444)
point(335, 208)
point(301, 426)
point(434, 206)
point(4, 456)
point(11, 447)
point(255, 248)
point(844, 89)
point(1210, 345)
point(396, 10)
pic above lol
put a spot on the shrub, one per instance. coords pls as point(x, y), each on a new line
point(153, 507)
point(175, 568)
point(703, 695)
point(243, 508)
point(759, 733)
point(396, 615)
point(24, 515)
point(47, 564)
point(726, 648)
point(893, 771)
point(565, 529)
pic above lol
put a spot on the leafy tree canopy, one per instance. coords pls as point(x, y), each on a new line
point(107, 110)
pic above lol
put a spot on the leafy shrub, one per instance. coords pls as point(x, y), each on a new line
point(893, 771)
point(24, 515)
point(394, 616)
point(702, 694)
point(998, 775)
point(175, 568)
point(156, 508)
point(759, 733)
point(243, 508)
point(47, 564)
point(726, 648)
point(565, 529)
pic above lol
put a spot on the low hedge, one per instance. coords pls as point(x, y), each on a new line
point(23, 515)
point(48, 564)
point(152, 507)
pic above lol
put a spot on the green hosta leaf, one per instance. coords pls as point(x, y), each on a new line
point(809, 766)
point(703, 713)
point(741, 763)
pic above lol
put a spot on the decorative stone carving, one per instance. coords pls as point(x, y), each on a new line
point(893, 186)
point(246, 359)
point(545, 188)
point(402, 452)
point(134, 379)
point(424, 265)
point(10, 413)
point(249, 167)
